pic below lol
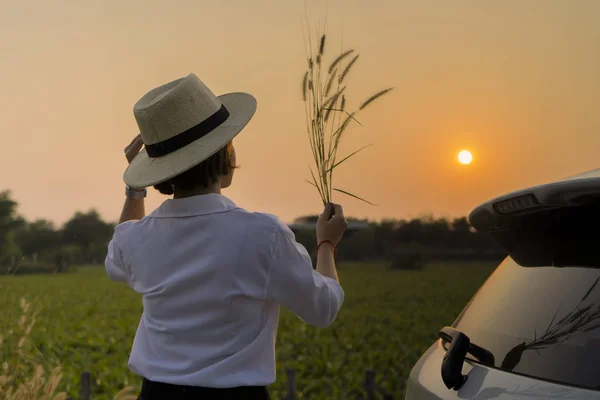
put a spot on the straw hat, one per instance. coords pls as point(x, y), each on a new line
point(182, 123)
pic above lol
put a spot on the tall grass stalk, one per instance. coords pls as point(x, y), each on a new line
point(24, 374)
point(327, 117)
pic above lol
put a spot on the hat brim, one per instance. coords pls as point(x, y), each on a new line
point(144, 171)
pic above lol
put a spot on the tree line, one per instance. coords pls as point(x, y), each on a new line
point(83, 239)
point(408, 243)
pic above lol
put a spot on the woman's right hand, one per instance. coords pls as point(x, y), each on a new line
point(133, 148)
point(330, 227)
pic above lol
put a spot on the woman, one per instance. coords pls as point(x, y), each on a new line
point(211, 275)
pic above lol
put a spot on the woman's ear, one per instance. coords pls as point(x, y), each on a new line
point(226, 180)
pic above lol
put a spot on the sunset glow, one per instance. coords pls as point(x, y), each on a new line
point(465, 157)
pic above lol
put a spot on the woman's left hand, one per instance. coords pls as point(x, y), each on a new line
point(133, 149)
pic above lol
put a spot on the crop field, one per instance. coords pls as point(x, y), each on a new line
point(85, 322)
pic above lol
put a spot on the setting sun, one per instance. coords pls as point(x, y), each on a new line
point(465, 157)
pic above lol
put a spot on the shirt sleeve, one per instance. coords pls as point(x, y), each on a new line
point(116, 268)
point(293, 283)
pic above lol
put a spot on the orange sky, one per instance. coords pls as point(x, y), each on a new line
point(517, 82)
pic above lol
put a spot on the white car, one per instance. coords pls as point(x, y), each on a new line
point(532, 331)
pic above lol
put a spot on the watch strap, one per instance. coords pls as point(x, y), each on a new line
point(135, 194)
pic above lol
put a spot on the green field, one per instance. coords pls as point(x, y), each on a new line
point(87, 323)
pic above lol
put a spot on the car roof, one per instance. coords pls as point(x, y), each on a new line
point(579, 189)
point(594, 173)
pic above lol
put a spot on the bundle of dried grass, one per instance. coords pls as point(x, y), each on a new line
point(327, 116)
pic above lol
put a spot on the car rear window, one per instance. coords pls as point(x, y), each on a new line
point(540, 316)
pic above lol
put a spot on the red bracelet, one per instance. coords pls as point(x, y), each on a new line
point(332, 245)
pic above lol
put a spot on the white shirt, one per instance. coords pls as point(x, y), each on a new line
point(212, 277)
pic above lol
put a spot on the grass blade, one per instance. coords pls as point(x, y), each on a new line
point(374, 97)
point(590, 289)
point(339, 59)
point(350, 117)
point(337, 135)
point(347, 157)
point(332, 102)
point(319, 188)
point(333, 98)
point(348, 67)
point(353, 195)
point(330, 82)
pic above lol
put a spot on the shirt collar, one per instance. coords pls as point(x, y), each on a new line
point(193, 206)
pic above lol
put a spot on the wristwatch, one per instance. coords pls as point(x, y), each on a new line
point(135, 194)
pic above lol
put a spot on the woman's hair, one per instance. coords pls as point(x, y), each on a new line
point(202, 175)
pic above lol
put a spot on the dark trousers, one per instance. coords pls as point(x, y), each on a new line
point(165, 391)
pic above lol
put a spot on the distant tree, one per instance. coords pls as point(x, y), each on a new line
point(9, 221)
point(413, 226)
point(39, 237)
point(428, 223)
point(358, 246)
point(306, 219)
point(383, 235)
point(461, 225)
point(439, 225)
point(86, 230)
point(69, 254)
point(360, 220)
